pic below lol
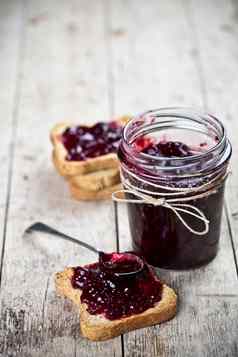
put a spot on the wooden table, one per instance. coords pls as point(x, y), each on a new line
point(91, 60)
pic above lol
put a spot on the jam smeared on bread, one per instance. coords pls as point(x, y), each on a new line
point(75, 150)
point(83, 142)
point(99, 328)
point(116, 297)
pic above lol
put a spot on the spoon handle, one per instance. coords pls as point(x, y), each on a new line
point(42, 227)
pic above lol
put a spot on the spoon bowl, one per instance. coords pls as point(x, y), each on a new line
point(123, 264)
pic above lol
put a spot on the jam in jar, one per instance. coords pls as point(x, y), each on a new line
point(180, 156)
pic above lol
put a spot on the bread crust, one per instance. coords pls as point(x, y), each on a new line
point(74, 168)
point(98, 328)
point(86, 195)
point(96, 181)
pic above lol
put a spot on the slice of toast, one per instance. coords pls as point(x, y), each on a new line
point(87, 195)
point(96, 181)
point(74, 168)
point(98, 328)
point(93, 181)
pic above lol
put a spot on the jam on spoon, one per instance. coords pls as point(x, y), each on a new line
point(120, 263)
point(118, 285)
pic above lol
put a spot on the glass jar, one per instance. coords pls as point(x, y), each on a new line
point(181, 231)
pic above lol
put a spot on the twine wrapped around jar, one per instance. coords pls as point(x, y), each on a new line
point(143, 196)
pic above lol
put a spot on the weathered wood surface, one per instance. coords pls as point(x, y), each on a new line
point(9, 72)
point(61, 79)
point(219, 64)
point(166, 63)
point(90, 59)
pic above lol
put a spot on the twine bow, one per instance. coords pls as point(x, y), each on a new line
point(176, 205)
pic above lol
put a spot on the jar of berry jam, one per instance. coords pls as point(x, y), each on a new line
point(174, 165)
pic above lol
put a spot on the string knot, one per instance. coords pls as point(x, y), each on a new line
point(177, 201)
point(177, 208)
point(177, 205)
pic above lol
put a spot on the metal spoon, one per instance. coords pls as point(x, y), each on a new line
point(109, 261)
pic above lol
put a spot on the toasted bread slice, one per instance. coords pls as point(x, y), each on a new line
point(74, 168)
point(87, 195)
point(98, 328)
point(93, 181)
point(96, 181)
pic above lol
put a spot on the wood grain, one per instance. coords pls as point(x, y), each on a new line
point(219, 59)
point(151, 56)
point(64, 75)
point(85, 60)
point(10, 49)
point(164, 59)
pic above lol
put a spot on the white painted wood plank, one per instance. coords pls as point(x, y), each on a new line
point(64, 77)
point(10, 30)
point(202, 292)
point(155, 64)
point(173, 80)
point(219, 60)
point(203, 332)
point(152, 56)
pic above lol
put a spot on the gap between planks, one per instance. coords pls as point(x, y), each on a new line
point(229, 225)
point(85, 347)
point(111, 103)
point(115, 205)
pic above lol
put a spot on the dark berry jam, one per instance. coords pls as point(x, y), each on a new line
point(165, 242)
point(116, 297)
point(82, 142)
point(175, 154)
point(120, 263)
point(160, 236)
point(168, 149)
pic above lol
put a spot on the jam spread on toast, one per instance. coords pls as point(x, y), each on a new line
point(83, 142)
point(115, 296)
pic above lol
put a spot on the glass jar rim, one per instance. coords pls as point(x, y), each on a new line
point(142, 124)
